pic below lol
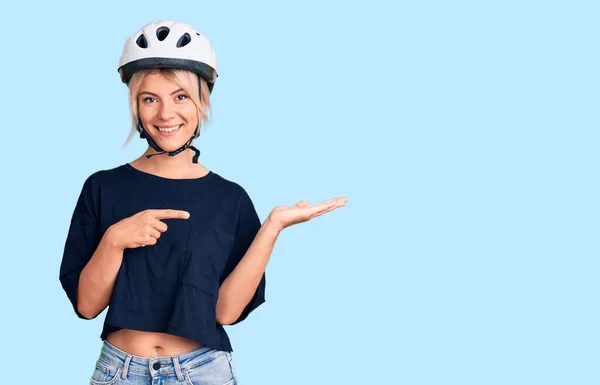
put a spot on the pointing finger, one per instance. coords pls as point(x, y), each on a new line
point(169, 213)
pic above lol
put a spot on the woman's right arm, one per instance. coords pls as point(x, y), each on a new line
point(98, 277)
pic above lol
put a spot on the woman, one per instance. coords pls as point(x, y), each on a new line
point(176, 250)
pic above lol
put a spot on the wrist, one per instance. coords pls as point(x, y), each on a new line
point(273, 226)
point(110, 240)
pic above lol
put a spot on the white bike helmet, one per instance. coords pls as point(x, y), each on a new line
point(169, 44)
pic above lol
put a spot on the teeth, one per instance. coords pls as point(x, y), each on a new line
point(168, 129)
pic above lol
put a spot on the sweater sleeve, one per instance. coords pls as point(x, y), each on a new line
point(248, 224)
point(81, 243)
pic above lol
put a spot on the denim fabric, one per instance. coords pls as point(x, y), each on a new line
point(201, 366)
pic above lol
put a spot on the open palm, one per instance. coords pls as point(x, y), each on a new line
point(284, 216)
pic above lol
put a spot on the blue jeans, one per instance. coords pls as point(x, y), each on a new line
point(201, 366)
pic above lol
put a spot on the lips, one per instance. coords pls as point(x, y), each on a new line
point(169, 130)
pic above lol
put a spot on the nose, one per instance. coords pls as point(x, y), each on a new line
point(166, 111)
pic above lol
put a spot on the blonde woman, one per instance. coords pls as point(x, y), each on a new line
point(173, 249)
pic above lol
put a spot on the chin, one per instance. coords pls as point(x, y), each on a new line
point(170, 145)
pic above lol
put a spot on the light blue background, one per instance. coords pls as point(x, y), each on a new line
point(464, 134)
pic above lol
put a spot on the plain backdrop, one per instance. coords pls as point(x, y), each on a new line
point(464, 135)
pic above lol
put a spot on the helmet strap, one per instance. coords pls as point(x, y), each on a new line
point(160, 151)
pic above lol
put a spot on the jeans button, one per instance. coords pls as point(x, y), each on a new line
point(156, 365)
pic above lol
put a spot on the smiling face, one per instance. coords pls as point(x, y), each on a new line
point(166, 110)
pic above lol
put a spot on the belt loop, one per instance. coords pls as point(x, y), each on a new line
point(177, 368)
point(126, 367)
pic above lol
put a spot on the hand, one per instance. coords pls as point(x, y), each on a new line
point(143, 228)
point(284, 216)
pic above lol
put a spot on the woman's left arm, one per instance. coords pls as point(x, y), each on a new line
point(239, 287)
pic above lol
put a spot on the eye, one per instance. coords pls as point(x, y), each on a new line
point(184, 97)
point(146, 100)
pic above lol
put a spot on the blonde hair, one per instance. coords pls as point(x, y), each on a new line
point(187, 80)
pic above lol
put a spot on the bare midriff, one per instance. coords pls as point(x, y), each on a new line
point(150, 344)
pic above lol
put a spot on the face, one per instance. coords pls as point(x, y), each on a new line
point(167, 112)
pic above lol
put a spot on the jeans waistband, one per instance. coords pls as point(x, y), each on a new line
point(130, 363)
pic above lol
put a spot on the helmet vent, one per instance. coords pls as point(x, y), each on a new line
point(162, 33)
point(184, 40)
point(142, 42)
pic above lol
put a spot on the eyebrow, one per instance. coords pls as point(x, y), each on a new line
point(150, 93)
